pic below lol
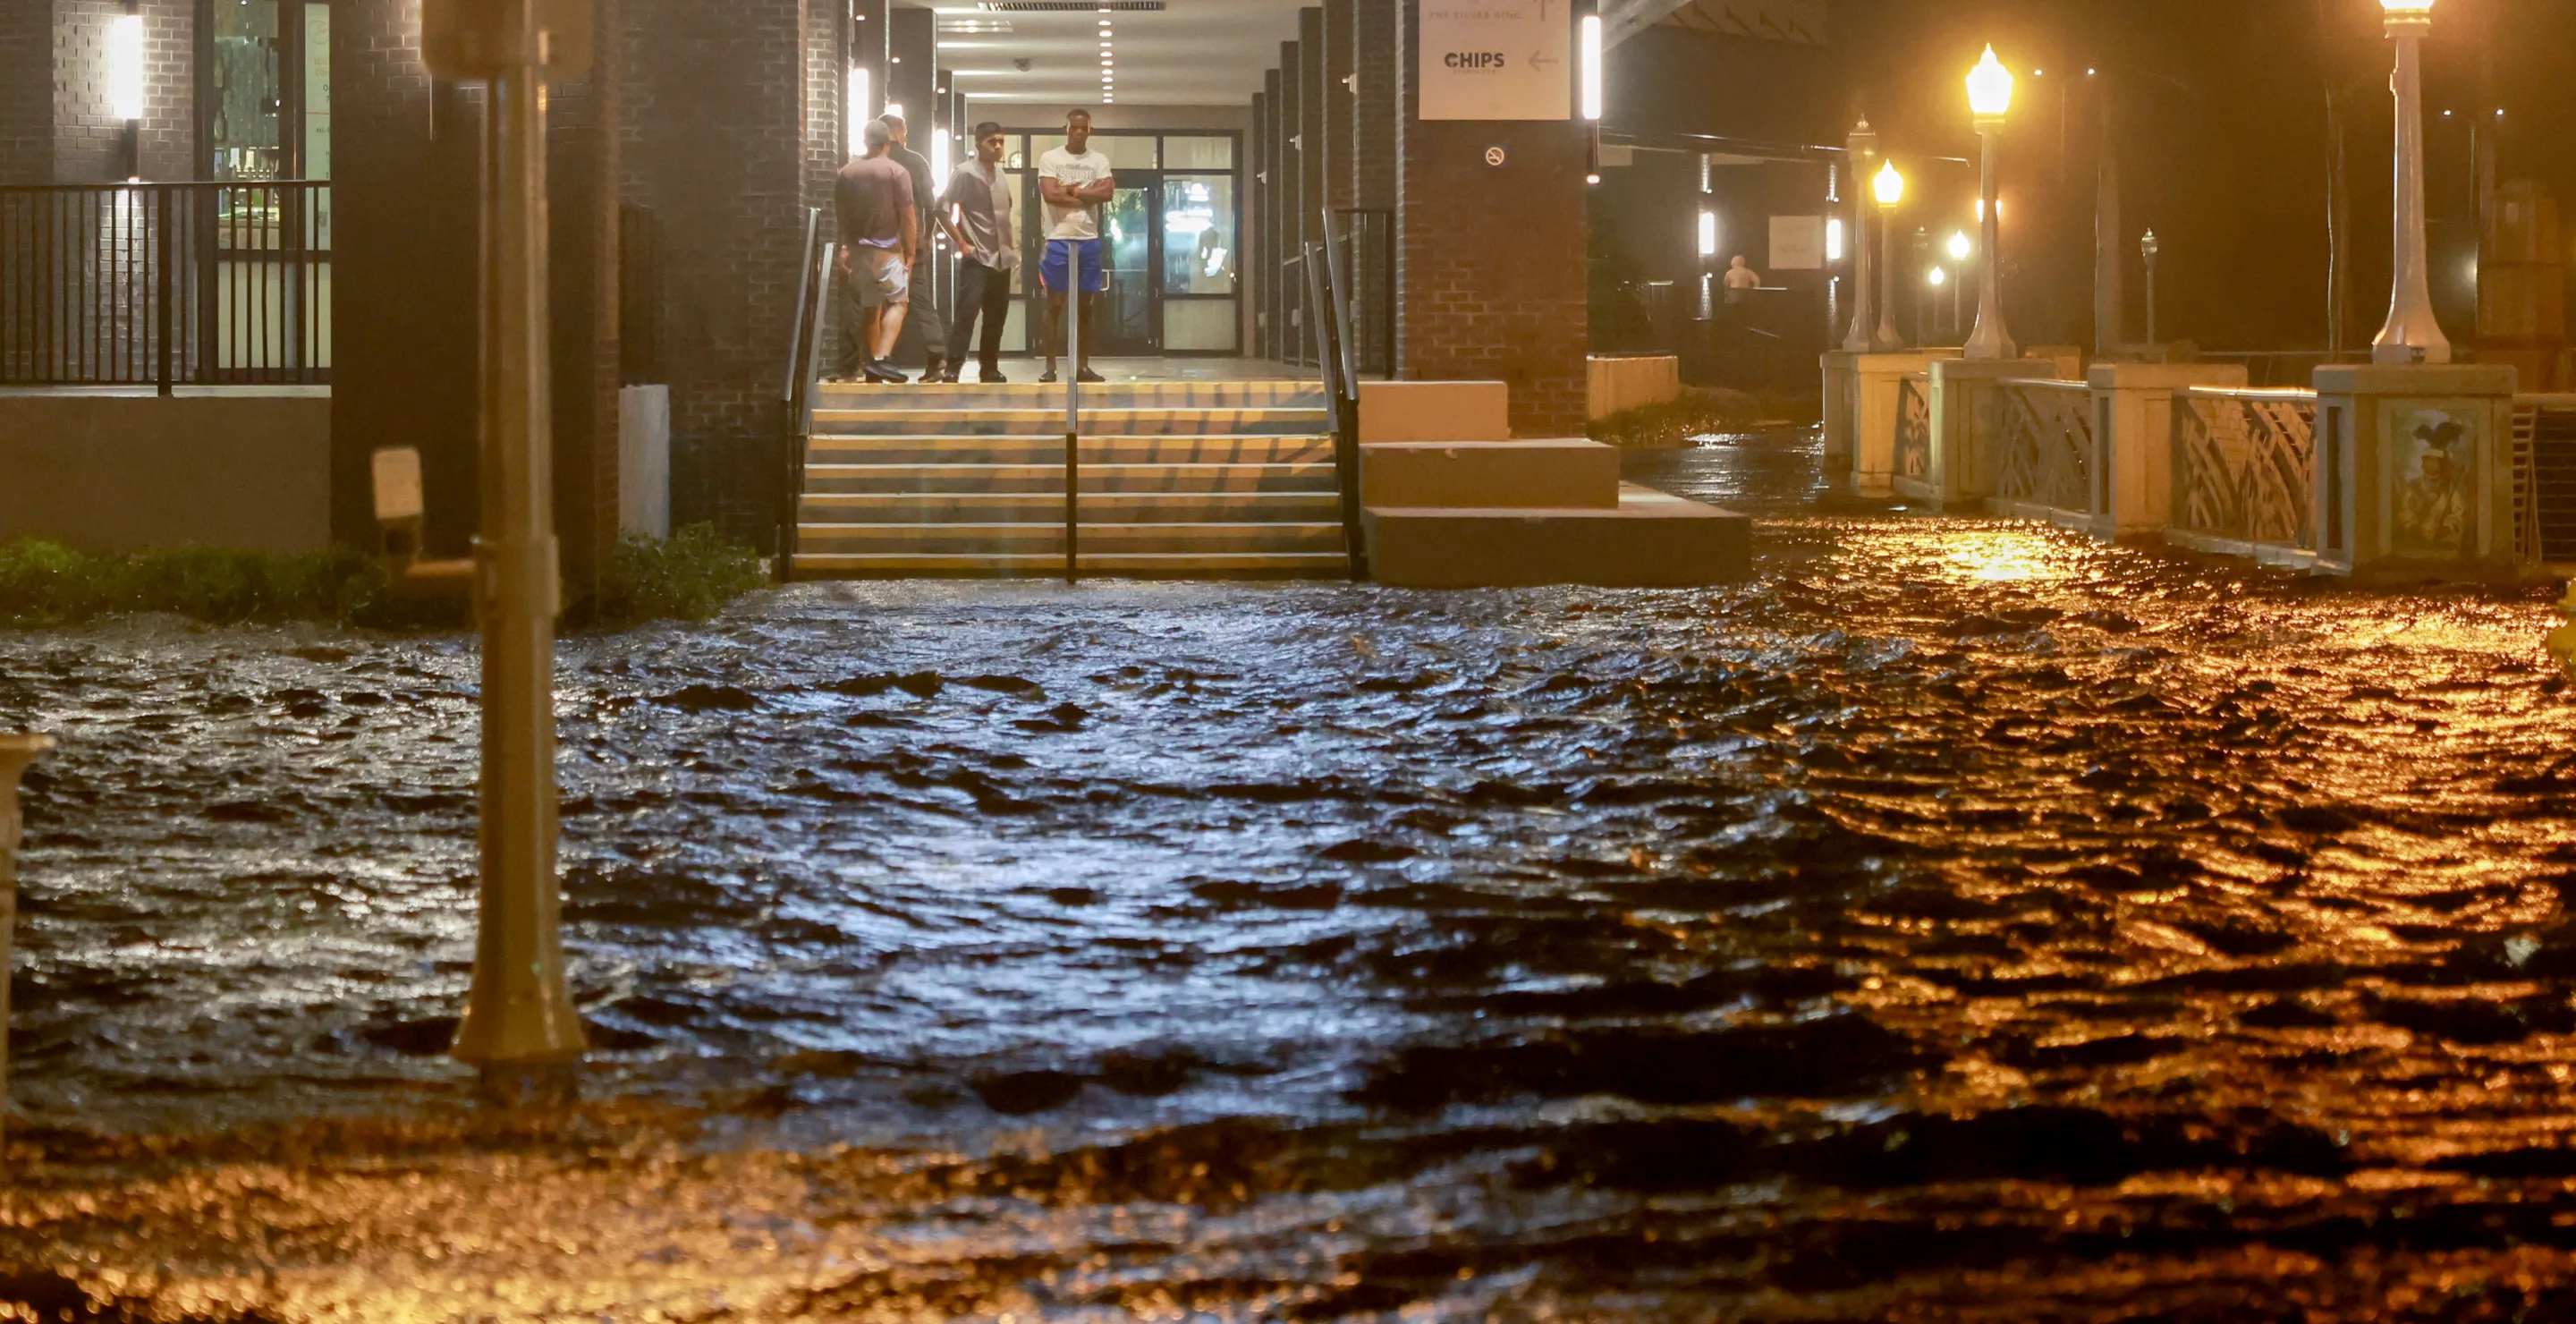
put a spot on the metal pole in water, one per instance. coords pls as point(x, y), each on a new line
point(1073, 415)
point(520, 1030)
point(16, 752)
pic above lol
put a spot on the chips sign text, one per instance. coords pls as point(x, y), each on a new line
point(1497, 59)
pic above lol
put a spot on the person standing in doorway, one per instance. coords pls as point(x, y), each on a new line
point(1075, 182)
point(874, 206)
point(925, 310)
point(1740, 279)
point(977, 212)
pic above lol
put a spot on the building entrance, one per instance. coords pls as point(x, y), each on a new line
point(1168, 242)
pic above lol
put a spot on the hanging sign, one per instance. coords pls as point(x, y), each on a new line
point(1497, 60)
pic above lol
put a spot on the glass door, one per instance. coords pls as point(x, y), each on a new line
point(1127, 249)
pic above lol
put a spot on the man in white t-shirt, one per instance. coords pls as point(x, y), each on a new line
point(1074, 181)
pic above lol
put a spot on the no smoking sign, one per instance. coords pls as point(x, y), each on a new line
point(1495, 156)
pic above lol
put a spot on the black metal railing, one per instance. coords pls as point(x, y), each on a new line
point(1328, 306)
point(796, 399)
point(165, 285)
point(1367, 268)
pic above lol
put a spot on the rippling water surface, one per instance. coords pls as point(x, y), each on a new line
point(1958, 919)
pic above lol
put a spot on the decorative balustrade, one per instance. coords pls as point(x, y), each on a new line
point(2047, 456)
point(1914, 426)
point(2245, 466)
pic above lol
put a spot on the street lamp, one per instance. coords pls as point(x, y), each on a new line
point(2412, 335)
point(1990, 94)
point(2148, 247)
point(1862, 145)
point(1889, 188)
point(1961, 249)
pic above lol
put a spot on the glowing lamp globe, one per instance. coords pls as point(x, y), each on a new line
point(1990, 87)
point(1960, 246)
point(1890, 186)
point(2408, 8)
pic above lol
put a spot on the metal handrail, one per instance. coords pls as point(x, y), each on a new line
point(2293, 394)
point(1341, 390)
point(804, 367)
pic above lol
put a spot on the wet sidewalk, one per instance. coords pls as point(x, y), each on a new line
point(1959, 920)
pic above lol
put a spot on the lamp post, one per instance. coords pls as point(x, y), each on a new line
point(1923, 269)
point(2148, 247)
point(1961, 249)
point(1862, 146)
point(1990, 93)
point(16, 752)
point(2412, 335)
point(1889, 189)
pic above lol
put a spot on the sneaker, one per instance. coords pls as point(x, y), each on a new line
point(1087, 375)
point(1048, 379)
point(884, 374)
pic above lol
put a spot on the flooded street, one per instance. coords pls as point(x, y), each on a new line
point(1960, 919)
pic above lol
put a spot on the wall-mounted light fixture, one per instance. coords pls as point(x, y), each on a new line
point(1590, 51)
point(1708, 234)
point(858, 112)
point(1833, 239)
point(126, 62)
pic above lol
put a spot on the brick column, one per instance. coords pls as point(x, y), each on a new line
point(718, 139)
point(406, 160)
point(581, 178)
point(1380, 103)
point(1257, 269)
point(1493, 283)
point(1290, 174)
point(1341, 119)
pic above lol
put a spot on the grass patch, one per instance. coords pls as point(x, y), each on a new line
point(690, 577)
point(1695, 413)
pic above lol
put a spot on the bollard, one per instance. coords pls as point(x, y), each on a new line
point(16, 752)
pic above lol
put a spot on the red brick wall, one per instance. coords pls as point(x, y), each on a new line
point(1341, 118)
point(89, 144)
point(1374, 128)
point(581, 163)
point(1493, 268)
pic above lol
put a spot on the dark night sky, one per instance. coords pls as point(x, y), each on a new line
point(2220, 115)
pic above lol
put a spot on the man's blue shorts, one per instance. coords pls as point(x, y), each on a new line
point(1059, 255)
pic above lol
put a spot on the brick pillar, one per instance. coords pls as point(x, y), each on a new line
point(1493, 282)
point(1314, 147)
point(1380, 103)
point(1341, 118)
point(1257, 269)
point(581, 163)
point(719, 140)
point(26, 92)
point(1291, 173)
point(1274, 195)
point(407, 165)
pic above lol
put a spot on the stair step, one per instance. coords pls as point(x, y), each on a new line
point(1028, 393)
point(1108, 508)
point(834, 479)
point(1142, 565)
point(1050, 422)
point(1194, 448)
point(1649, 540)
point(1048, 537)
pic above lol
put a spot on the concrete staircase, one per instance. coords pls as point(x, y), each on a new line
point(1179, 479)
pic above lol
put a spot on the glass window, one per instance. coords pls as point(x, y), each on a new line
point(317, 91)
point(248, 101)
point(1198, 153)
point(1202, 325)
point(1199, 246)
point(1126, 151)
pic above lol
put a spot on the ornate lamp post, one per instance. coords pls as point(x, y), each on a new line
point(1889, 188)
point(2148, 248)
point(2412, 335)
point(16, 752)
point(1990, 94)
point(1961, 249)
point(1862, 145)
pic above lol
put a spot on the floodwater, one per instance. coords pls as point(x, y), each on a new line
point(1957, 920)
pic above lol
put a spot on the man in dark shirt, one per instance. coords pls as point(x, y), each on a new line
point(925, 310)
point(880, 225)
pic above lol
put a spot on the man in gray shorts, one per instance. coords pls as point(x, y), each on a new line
point(880, 234)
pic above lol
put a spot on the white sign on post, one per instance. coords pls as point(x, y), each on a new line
point(1797, 243)
point(1497, 60)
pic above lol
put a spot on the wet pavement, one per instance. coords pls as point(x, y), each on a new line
point(1958, 920)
